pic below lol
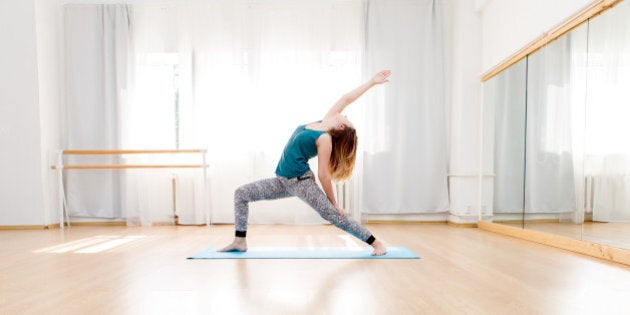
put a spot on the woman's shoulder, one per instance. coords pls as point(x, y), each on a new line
point(324, 138)
point(315, 126)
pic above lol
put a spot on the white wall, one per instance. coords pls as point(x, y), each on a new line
point(21, 198)
point(509, 25)
point(49, 59)
point(465, 108)
point(28, 106)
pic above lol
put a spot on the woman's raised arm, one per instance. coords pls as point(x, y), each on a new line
point(348, 98)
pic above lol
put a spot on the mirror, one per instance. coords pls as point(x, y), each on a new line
point(556, 81)
point(556, 135)
point(606, 143)
point(504, 143)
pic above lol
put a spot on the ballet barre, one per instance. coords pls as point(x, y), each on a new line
point(60, 167)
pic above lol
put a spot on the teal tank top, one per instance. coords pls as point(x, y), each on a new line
point(300, 148)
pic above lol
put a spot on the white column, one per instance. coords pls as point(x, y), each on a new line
point(465, 129)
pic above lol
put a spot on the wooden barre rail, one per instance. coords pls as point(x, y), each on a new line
point(111, 152)
point(60, 167)
point(124, 166)
point(127, 166)
point(577, 20)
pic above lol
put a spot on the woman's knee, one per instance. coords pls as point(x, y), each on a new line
point(241, 194)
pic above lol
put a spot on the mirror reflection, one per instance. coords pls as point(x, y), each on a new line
point(555, 135)
point(556, 81)
point(504, 141)
point(606, 144)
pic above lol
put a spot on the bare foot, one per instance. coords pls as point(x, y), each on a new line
point(379, 248)
point(238, 245)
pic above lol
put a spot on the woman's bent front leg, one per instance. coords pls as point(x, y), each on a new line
point(265, 189)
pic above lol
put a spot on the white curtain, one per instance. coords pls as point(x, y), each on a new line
point(504, 98)
point(607, 160)
point(405, 132)
point(247, 73)
point(96, 42)
point(556, 82)
point(237, 77)
point(101, 114)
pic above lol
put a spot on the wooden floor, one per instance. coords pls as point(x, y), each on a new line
point(119, 270)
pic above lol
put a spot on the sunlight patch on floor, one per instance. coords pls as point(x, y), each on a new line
point(95, 244)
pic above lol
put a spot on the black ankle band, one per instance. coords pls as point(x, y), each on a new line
point(370, 240)
point(241, 233)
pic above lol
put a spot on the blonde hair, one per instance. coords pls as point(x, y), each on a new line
point(344, 152)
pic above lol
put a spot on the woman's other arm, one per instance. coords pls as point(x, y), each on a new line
point(324, 150)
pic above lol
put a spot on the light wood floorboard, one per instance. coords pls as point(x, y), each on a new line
point(143, 270)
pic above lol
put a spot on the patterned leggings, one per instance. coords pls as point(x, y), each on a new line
point(303, 187)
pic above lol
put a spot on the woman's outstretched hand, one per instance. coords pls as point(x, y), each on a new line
point(381, 77)
point(341, 212)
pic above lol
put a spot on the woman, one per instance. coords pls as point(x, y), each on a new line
point(334, 141)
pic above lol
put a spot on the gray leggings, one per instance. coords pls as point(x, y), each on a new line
point(303, 187)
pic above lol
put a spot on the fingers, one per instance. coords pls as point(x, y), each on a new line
point(341, 213)
point(382, 76)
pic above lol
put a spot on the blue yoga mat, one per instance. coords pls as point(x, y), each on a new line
point(306, 253)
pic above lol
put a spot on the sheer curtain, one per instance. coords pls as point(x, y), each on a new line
point(555, 126)
point(405, 152)
point(607, 159)
point(237, 77)
point(96, 43)
point(247, 74)
point(101, 113)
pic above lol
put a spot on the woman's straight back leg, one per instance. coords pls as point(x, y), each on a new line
point(309, 192)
